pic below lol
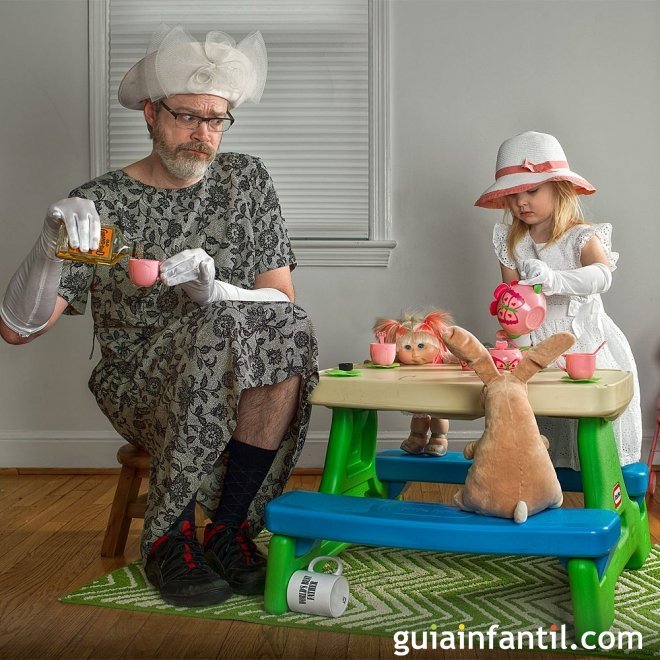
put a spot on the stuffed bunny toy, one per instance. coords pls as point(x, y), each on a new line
point(512, 475)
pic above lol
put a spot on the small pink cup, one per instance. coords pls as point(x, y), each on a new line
point(143, 272)
point(579, 366)
point(382, 354)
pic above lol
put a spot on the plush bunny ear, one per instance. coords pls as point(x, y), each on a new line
point(540, 356)
point(465, 346)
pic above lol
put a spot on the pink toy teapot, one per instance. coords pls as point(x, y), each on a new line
point(520, 308)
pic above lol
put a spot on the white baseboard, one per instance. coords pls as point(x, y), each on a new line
point(59, 449)
point(97, 449)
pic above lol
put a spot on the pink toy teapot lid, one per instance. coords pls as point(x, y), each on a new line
point(520, 308)
point(505, 355)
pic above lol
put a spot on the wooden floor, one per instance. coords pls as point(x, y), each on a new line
point(53, 526)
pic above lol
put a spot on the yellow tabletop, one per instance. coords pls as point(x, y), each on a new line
point(447, 390)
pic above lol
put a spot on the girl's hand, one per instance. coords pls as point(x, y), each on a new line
point(585, 281)
point(535, 271)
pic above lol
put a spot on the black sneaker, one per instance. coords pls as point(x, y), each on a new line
point(177, 568)
point(234, 556)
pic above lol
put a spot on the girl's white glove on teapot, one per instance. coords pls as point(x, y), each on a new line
point(584, 281)
point(194, 270)
point(32, 291)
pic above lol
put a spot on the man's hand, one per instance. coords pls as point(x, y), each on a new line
point(194, 270)
point(82, 221)
point(31, 295)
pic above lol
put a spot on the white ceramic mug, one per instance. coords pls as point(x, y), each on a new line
point(313, 592)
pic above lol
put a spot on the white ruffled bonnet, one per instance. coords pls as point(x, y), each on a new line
point(176, 63)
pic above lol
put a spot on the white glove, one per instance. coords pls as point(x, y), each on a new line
point(595, 278)
point(82, 221)
point(194, 270)
point(32, 291)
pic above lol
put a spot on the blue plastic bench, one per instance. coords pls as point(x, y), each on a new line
point(304, 515)
point(396, 467)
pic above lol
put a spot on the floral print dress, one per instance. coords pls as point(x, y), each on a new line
point(171, 372)
point(585, 318)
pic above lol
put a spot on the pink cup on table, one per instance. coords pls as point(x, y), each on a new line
point(382, 354)
point(143, 272)
point(579, 366)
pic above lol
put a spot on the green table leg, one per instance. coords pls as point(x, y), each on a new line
point(350, 469)
point(604, 488)
point(350, 462)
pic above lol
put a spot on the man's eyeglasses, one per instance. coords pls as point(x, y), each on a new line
point(192, 122)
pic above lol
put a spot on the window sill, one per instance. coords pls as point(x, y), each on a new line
point(342, 253)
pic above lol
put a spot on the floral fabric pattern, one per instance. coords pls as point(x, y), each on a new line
point(171, 372)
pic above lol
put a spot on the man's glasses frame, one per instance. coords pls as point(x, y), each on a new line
point(191, 122)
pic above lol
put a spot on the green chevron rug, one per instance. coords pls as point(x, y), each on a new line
point(439, 597)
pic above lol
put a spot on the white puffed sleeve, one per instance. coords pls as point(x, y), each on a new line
point(500, 234)
point(604, 233)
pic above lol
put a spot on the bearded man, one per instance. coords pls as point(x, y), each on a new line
point(209, 370)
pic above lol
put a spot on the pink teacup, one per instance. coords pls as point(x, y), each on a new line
point(143, 272)
point(579, 366)
point(382, 354)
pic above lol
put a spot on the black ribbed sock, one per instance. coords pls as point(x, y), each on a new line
point(187, 514)
point(246, 470)
point(185, 523)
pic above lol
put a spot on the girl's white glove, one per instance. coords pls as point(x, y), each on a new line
point(194, 270)
point(584, 281)
point(32, 291)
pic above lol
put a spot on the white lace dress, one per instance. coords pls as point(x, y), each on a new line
point(584, 317)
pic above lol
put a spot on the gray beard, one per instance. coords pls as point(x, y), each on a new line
point(180, 162)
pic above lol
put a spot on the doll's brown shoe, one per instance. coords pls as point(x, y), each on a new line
point(415, 443)
point(437, 445)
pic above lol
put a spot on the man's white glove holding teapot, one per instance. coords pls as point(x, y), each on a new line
point(32, 292)
point(584, 281)
point(194, 270)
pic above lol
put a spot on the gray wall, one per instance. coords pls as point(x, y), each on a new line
point(465, 76)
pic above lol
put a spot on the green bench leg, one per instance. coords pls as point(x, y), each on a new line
point(593, 599)
point(350, 469)
point(604, 488)
point(281, 566)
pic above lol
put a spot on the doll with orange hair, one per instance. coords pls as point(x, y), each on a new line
point(418, 339)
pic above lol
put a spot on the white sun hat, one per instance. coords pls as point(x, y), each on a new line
point(176, 63)
point(526, 161)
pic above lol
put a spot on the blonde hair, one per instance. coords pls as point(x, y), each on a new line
point(414, 327)
point(567, 213)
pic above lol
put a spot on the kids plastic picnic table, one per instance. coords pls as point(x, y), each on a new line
point(357, 498)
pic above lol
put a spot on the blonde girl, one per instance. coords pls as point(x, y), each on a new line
point(545, 240)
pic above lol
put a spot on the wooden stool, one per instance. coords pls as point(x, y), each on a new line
point(127, 504)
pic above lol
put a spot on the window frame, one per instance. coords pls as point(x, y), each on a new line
point(374, 251)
